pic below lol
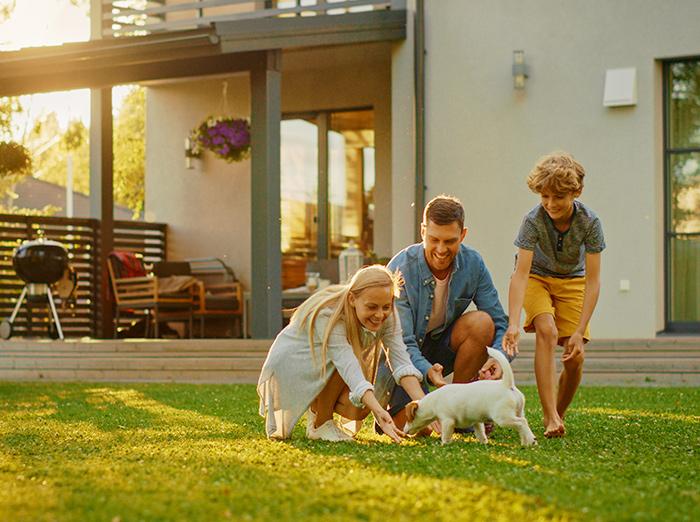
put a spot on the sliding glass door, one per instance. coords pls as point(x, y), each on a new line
point(327, 185)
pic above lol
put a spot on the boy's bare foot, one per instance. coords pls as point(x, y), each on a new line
point(554, 429)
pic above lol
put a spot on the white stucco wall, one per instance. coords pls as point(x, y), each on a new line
point(483, 136)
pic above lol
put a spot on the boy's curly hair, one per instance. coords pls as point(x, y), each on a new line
point(558, 172)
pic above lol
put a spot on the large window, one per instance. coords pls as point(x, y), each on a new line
point(682, 176)
point(327, 185)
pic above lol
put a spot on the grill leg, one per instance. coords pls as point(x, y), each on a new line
point(19, 303)
point(55, 315)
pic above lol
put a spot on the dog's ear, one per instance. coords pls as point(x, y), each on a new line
point(411, 408)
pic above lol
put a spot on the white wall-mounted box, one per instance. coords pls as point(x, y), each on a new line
point(620, 87)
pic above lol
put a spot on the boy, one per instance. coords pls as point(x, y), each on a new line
point(557, 280)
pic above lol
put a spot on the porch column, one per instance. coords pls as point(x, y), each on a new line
point(102, 199)
point(266, 296)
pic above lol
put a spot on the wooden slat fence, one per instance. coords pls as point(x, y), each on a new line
point(80, 237)
point(127, 17)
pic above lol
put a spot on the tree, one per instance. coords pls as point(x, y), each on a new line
point(51, 147)
point(130, 151)
point(15, 160)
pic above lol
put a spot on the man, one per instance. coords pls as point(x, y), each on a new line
point(442, 278)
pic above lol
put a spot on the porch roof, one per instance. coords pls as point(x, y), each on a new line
point(103, 63)
point(190, 53)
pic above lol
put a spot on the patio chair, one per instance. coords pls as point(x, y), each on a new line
point(136, 291)
point(218, 294)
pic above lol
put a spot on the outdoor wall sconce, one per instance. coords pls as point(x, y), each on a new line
point(519, 70)
point(190, 154)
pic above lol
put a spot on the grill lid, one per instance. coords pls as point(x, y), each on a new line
point(40, 261)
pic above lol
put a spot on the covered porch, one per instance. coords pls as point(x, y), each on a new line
point(250, 52)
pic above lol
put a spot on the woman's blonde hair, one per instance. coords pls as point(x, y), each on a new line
point(337, 299)
point(558, 172)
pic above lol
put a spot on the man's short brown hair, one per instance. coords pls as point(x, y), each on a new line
point(558, 172)
point(444, 210)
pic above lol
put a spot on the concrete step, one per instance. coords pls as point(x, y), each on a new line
point(689, 343)
point(136, 345)
point(631, 378)
point(209, 376)
point(135, 363)
point(126, 355)
point(645, 362)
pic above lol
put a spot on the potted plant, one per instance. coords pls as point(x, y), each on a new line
point(227, 137)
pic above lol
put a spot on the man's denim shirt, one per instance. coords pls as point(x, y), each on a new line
point(470, 282)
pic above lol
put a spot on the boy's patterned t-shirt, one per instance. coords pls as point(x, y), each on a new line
point(560, 254)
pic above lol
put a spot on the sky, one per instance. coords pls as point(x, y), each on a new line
point(59, 22)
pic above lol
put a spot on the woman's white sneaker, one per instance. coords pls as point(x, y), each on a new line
point(310, 421)
point(328, 431)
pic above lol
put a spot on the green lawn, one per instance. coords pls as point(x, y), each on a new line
point(186, 452)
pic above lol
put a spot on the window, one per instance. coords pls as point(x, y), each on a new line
point(682, 185)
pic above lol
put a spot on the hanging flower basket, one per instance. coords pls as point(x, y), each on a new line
point(14, 159)
point(227, 138)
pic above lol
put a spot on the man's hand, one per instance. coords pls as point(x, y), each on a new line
point(573, 348)
point(435, 375)
point(510, 340)
point(490, 371)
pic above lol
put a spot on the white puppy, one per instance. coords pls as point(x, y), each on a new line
point(464, 405)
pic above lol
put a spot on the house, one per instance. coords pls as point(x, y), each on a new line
point(363, 110)
point(34, 193)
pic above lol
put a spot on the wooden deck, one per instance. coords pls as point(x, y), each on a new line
point(664, 361)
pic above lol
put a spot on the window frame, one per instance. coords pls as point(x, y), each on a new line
point(671, 326)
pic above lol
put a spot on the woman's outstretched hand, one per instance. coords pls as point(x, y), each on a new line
point(386, 423)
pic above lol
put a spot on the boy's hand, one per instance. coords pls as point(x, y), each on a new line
point(573, 348)
point(435, 376)
point(490, 371)
point(510, 340)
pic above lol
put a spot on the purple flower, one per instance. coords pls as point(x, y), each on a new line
point(228, 138)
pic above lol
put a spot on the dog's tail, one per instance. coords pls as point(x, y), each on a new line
point(508, 379)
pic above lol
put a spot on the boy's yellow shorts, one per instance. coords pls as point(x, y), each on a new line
point(560, 297)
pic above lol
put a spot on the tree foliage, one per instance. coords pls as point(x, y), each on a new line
point(130, 151)
point(15, 159)
point(51, 146)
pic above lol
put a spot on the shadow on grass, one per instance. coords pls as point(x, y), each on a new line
point(198, 452)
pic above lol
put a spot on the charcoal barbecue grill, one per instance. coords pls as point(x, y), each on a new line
point(39, 263)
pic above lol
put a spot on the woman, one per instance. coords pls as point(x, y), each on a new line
point(325, 360)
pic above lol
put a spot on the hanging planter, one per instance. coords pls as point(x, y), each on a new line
point(14, 159)
point(226, 137)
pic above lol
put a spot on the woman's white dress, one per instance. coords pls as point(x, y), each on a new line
point(290, 379)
